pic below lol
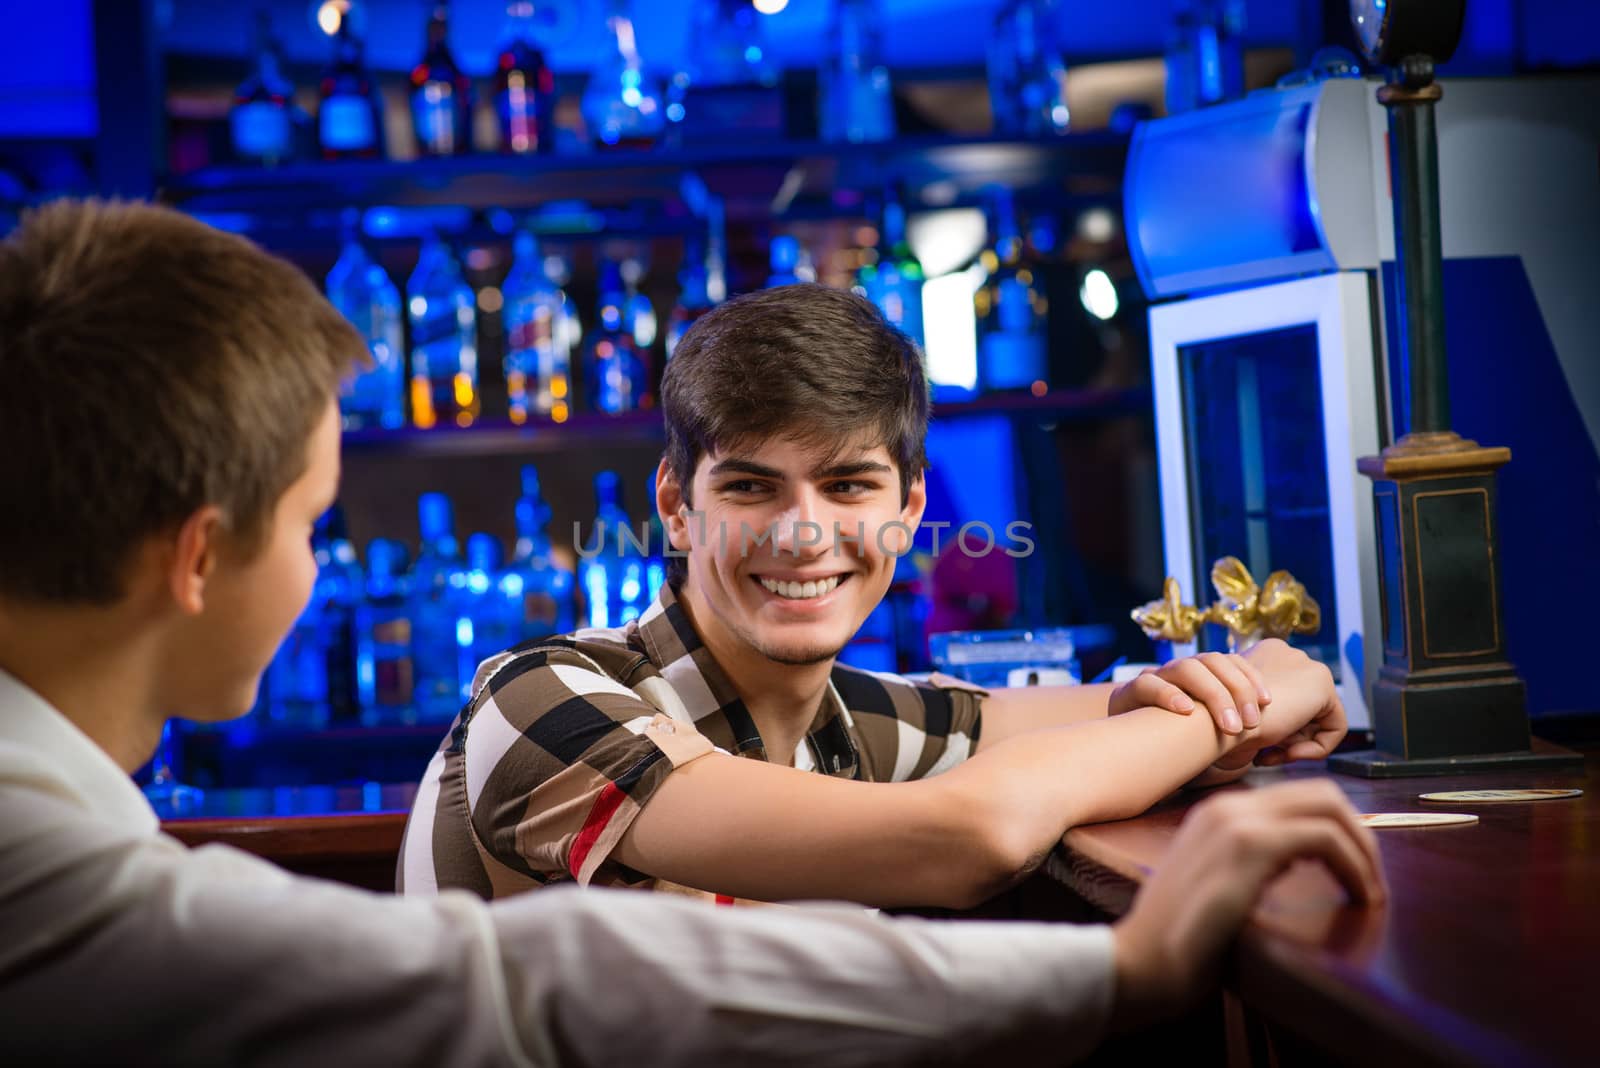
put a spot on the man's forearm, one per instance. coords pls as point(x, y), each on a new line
point(1014, 710)
point(1047, 781)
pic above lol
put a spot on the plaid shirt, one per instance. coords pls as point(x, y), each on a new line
point(566, 739)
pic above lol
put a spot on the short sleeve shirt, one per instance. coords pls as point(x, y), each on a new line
point(566, 739)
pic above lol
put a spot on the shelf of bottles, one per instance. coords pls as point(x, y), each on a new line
point(392, 639)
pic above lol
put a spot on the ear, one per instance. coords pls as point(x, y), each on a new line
point(194, 551)
point(672, 506)
point(916, 502)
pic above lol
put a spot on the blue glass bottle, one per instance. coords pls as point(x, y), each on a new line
point(433, 618)
point(297, 677)
point(543, 588)
point(385, 673)
point(612, 572)
point(350, 115)
point(622, 102)
point(694, 298)
point(783, 259)
point(616, 376)
point(364, 294)
point(343, 584)
point(441, 93)
point(263, 117)
point(1027, 78)
point(1010, 309)
point(894, 281)
point(538, 364)
point(486, 617)
point(444, 339)
point(857, 103)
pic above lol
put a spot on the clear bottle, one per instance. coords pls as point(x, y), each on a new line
point(541, 587)
point(436, 575)
point(385, 671)
point(612, 572)
point(622, 104)
point(524, 86)
point(350, 114)
point(617, 377)
point(694, 298)
point(856, 98)
point(263, 118)
point(569, 331)
point(441, 93)
point(1010, 309)
point(444, 339)
point(538, 362)
point(1027, 78)
point(638, 313)
point(894, 281)
point(362, 291)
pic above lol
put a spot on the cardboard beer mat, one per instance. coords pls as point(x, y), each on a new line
point(1391, 820)
point(1499, 795)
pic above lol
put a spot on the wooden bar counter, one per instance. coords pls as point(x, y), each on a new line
point(350, 834)
point(1487, 952)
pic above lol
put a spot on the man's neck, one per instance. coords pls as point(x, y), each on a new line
point(93, 668)
point(782, 699)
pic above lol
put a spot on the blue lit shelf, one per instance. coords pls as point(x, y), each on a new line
point(754, 172)
point(643, 428)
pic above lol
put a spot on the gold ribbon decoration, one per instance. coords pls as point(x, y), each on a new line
point(1275, 609)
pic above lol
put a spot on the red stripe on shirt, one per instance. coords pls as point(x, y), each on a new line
point(724, 899)
point(605, 806)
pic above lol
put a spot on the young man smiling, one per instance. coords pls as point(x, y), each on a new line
point(716, 744)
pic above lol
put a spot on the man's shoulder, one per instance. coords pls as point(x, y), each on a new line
point(885, 693)
point(547, 668)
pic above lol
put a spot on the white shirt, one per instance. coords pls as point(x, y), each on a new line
point(120, 945)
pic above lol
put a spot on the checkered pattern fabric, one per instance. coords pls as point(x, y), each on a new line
point(566, 739)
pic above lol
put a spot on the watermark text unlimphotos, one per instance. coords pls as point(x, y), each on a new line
point(975, 539)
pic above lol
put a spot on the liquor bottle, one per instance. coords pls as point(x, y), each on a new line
point(1010, 310)
point(444, 339)
point(694, 298)
point(542, 587)
point(524, 86)
point(441, 93)
point(264, 117)
point(437, 571)
point(616, 374)
point(538, 363)
point(350, 115)
point(638, 313)
point(363, 293)
point(894, 281)
point(857, 103)
point(485, 618)
point(1205, 59)
point(613, 569)
point(385, 672)
point(343, 584)
point(297, 677)
point(622, 104)
point(569, 328)
point(784, 261)
point(1027, 78)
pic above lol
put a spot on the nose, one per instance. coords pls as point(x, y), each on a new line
point(802, 527)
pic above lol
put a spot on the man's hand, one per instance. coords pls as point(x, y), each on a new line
point(1228, 685)
point(1169, 947)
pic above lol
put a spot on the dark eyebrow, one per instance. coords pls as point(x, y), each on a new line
point(746, 467)
point(857, 467)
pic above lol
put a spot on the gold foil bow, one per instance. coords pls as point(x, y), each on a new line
point(1277, 608)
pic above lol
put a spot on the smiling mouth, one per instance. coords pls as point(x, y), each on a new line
point(802, 591)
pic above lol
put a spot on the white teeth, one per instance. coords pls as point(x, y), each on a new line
point(800, 591)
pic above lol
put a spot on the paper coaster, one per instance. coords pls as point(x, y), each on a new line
point(1382, 820)
point(1500, 795)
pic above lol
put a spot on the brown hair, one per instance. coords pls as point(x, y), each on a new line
point(149, 366)
point(815, 364)
point(818, 365)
